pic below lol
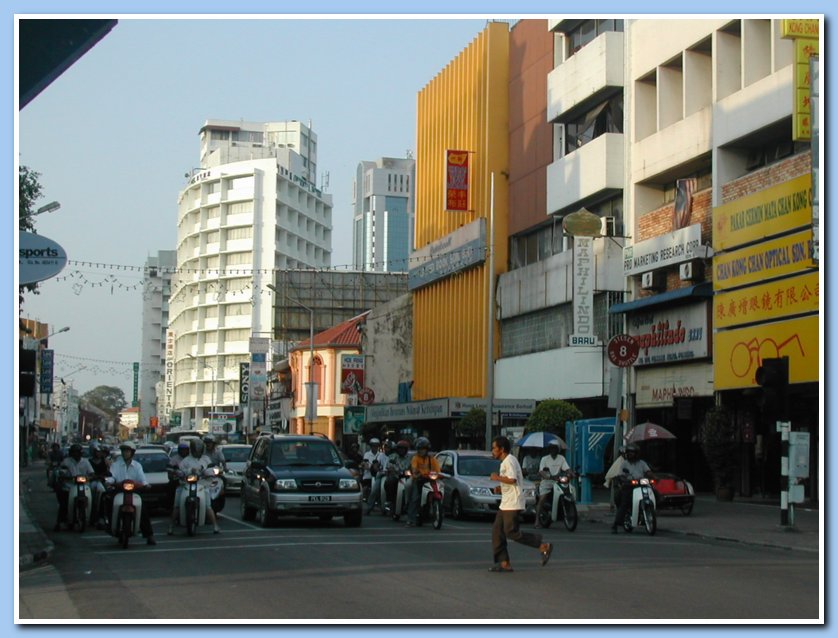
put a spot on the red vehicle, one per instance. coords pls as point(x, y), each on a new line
point(672, 492)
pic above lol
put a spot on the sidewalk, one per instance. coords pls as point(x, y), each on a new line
point(752, 521)
point(35, 548)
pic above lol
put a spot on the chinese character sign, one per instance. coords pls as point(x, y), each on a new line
point(456, 180)
point(351, 373)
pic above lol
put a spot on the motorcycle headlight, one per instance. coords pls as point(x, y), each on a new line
point(285, 484)
point(192, 478)
point(480, 491)
point(528, 493)
point(348, 484)
point(81, 479)
point(128, 486)
point(564, 480)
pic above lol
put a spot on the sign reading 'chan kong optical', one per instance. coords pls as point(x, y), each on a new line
point(769, 212)
point(782, 256)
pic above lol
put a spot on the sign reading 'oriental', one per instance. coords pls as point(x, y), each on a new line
point(456, 180)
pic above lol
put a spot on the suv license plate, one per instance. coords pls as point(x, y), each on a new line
point(320, 499)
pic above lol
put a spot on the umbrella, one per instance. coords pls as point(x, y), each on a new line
point(648, 432)
point(541, 439)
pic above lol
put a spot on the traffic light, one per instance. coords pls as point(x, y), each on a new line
point(773, 376)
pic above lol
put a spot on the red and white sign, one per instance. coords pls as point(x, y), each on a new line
point(623, 350)
point(456, 180)
point(366, 396)
point(669, 335)
point(351, 373)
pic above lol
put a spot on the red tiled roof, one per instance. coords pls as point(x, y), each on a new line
point(342, 335)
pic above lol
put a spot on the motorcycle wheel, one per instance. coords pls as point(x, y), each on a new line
point(571, 516)
point(457, 507)
point(125, 522)
point(627, 523)
point(191, 516)
point(542, 515)
point(81, 515)
point(436, 514)
point(650, 521)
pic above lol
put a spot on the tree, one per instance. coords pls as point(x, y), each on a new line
point(107, 398)
point(472, 425)
point(29, 191)
point(551, 415)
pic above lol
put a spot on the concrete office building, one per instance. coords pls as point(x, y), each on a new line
point(383, 203)
point(250, 209)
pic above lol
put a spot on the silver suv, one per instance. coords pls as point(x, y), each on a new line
point(298, 475)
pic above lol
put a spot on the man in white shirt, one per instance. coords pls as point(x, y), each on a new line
point(512, 503)
point(375, 462)
point(74, 465)
point(126, 468)
point(195, 463)
point(553, 462)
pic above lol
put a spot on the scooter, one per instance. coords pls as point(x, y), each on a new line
point(398, 507)
point(555, 499)
point(216, 488)
point(643, 506)
point(430, 501)
point(192, 506)
point(125, 511)
point(78, 500)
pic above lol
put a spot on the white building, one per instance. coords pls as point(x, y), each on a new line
point(156, 293)
point(384, 205)
point(251, 208)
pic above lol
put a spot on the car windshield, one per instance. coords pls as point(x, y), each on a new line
point(153, 462)
point(477, 466)
point(236, 454)
point(299, 453)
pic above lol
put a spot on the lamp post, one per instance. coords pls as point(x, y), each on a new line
point(311, 398)
point(47, 208)
point(212, 370)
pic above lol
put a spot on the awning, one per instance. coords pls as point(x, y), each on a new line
point(702, 291)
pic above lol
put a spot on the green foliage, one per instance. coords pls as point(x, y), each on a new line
point(551, 416)
point(472, 425)
point(109, 399)
point(29, 191)
point(719, 441)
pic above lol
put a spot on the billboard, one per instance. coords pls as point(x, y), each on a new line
point(351, 373)
point(790, 296)
point(775, 258)
point(456, 180)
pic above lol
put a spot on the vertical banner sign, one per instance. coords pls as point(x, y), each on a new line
point(258, 376)
point(806, 34)
point(583, 293)
point(814, 73)
point(244, 383)
point(351, 373)
point(47, 358)
point(169, 387)
point(456, 180)
point(136, 400)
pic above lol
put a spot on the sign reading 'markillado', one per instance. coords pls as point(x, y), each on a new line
point(39, 258)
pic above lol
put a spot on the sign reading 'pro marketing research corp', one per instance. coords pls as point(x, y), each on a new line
point(664, 250)
point(39, 258)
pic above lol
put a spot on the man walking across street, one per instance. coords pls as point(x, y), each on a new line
point(512, 503)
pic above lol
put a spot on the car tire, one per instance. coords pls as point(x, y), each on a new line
point(353, 519)
point(264, 515)
point(457, 512)
point(247, 513)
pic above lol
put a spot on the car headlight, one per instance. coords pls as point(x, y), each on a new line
point(480, 491)
point(285, 484)
point(348, 484)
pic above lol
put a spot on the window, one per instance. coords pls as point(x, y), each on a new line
point(606, 117)
point(587, 30)
point(241, 232)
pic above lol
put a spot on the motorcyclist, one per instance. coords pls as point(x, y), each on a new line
point(125, 468)
point(374, 462)
point(195, 463)
point(550, 467)
point(631, 467)
point(216, 457)
point(101, 470)
point(421, 466)
point(53, 461)
point(397, 463)
point(174, 464)
point(74, 465)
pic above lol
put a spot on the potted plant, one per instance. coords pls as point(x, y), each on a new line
point(720, 444)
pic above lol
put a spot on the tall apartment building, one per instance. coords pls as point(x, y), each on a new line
point(252, 207)
point(155, 322)
point(383, 203)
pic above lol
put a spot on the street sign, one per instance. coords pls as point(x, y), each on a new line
point(366, 396)
point(623, 350)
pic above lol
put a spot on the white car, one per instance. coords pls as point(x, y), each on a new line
point(235, 457)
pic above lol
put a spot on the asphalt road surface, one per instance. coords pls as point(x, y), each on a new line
point(308, 570)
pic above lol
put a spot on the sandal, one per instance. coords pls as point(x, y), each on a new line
point(545, 555)
point(499, 568)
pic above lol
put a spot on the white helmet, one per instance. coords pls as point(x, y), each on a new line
point(375, 441)
point(128, 444)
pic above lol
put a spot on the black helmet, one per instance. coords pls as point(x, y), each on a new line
point(423, 442)
point(196, 447)
point(209, 438)
point(75, 451)
point(632, 447)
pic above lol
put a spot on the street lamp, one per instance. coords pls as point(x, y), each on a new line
point(57, 332)
point(47, 208)
point(212, 369)
point(311, 398)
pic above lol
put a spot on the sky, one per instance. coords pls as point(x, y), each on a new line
point(113, 136)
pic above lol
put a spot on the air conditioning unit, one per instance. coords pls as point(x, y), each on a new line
point(654, 280)
point(692, 270)
point(609, 226)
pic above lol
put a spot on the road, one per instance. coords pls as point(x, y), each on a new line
point(312, 571)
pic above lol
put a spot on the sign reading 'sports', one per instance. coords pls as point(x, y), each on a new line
point(39, 258)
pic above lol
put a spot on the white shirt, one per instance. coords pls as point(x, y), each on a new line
point(191, 464)
point(370, 457)
point(554, 465)
point(80, 468)
point(134, 472)
point(511, 495)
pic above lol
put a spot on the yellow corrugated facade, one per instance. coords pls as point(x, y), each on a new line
point(465, 107)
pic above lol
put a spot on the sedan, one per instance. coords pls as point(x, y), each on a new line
point(158, 494)
point(468, 488)
point(235, 458)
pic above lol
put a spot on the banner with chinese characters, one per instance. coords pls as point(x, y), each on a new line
point(763, 302)
point(456, 180)
point(351, 373)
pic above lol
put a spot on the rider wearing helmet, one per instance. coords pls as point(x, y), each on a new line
point(216, 456)
point(421, 466)
point(196, 463)
point(397, 463)
point(375, 461)
point(101, 469)
point(74, 465)
point(631, 467)
point(126, 468)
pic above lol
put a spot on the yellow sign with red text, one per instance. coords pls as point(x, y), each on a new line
point(764, 302)
point(739, 352)
point(782, 256)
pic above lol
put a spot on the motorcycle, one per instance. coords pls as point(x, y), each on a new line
point(125, 511)
point(555, 499)
point(78, 500)
point(643, 506)
point(216, 488)
point(398, 507)
point(430, 500)
point(192, 505)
